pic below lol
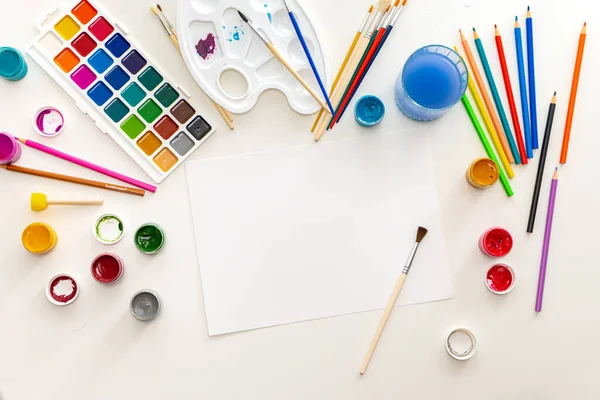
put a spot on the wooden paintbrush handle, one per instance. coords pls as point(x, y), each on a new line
point(298, 77)
point(384, 319)
point(75, 202)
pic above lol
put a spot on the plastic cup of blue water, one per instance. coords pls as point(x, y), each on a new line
point(12, 64)
point(434, 78)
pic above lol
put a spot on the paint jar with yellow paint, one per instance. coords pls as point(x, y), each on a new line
point(39, 238)
point(483, 173)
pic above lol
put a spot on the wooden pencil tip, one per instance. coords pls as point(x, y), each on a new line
point(554, 98)
point(555, 173)
point(584, 30)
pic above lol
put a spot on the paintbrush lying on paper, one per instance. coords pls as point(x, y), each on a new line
point(283, 61)
point(392, 302)
point(172, 33)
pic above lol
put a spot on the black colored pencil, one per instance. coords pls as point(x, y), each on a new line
point(541, 165)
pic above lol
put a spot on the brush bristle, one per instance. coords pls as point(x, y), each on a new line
point(397, 3)
point(383, 5)
point(154, 10)
point(404, 2)
point(421, 234)
point(371, 9)
point(243, 16)
point(159, 7)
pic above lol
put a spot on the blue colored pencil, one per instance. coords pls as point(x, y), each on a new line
point(531, 72)
point(523, 89)
point(307, 52)
point(494, 89)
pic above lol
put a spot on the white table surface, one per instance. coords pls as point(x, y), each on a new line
point(94, 349)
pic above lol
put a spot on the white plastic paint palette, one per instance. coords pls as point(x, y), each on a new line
point(94, 59)
point(233, 65)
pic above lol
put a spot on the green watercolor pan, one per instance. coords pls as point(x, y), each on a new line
point(95, 60)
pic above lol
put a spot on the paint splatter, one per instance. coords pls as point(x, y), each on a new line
point(206, 47)
point(236, 34)
point(269, 14)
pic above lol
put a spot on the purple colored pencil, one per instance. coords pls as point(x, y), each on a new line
point(546, 248)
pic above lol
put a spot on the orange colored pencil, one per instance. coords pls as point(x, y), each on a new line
point(73, 179)
point(573, 98)
point(486, 98)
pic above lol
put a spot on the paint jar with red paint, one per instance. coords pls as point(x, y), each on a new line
point(107, 268)
point(62, 290)
point(496, 242)
point(500, 279)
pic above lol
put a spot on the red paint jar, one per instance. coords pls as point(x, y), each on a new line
point(107, 268)
point(496, 242)
point(62, 290)
point(500, 279)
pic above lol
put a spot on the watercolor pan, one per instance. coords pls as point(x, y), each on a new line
point(95, 60)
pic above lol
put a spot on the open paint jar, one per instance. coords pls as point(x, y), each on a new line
point(107, 268)
point(108, 229)
point(461, 344)
point(496, 242)
point(62, 290)
point(500, 279)
point(12, 64)
point(10, 149)
point(150, 238)
point(49, 122)
point(39, 238)
point(145, 305)
point(483, 173)
point(369, 111)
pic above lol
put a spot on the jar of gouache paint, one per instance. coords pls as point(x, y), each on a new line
point(107, 268)
point(369, 111)
point(434, 79)
point(10, 149)
point(150, 238)
point(12, 64)
point(483, 173)
point(500, 279)
point(39, 238)
point(496, 242)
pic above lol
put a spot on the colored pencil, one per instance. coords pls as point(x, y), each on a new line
point(87, 164)
point(73, 179)
point(393, 17)
point(486, 98)
point(488, 124)
point(573, 97)
point(541, 166)
point(511, 97)
point(546, 248)
point(363, 25)
point(486, 145)
point(307, 53)
point(531, 74)
point(172, 34)
point(523, 89)
point(492, 83)
point(375, 39)
point(359, 51)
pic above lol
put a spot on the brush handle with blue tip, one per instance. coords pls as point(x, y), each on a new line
point(532, 91)
point(523, 91)
point(310, 59)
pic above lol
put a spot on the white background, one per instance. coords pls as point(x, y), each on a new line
point(94, 349)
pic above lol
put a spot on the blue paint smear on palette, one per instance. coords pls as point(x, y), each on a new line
point(269, 14)
point(234, 35)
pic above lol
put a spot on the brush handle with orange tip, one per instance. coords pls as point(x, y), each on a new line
point(573, 97)
point(486, 98)
point(72, 179)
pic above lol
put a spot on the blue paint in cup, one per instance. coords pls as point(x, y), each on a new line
point(369, 111)
point(433, 80)
point(12, 64)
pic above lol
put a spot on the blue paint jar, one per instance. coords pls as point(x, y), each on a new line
point(12, 64)
point(369, 110)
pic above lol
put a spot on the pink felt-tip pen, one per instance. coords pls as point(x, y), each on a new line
point(87, 164)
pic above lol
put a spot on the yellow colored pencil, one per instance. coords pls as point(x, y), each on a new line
point(488, 124)
point(348, 55)
point(486, 98)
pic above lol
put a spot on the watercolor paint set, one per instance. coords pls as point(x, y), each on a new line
point(95, 60)
point(217, 45)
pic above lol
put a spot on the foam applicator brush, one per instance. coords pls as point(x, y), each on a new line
point(39, 202)
point(393, 298)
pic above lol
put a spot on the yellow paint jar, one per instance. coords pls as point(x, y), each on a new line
point(483, 173)
point(39, 238)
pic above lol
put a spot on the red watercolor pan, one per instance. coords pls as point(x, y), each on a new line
point(500, 279)
point(107, 268)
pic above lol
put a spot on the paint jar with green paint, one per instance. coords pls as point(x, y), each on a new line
point(150, 238)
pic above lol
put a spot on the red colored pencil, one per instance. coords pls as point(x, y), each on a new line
point(511, 97)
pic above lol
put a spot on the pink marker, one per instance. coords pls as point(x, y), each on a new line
point(87, 164)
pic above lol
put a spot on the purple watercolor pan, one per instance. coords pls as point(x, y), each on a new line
point(10, 150)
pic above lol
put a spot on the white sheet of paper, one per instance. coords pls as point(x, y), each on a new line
point(316, 231)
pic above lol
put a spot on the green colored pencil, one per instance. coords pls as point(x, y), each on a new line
point(490, 78)
point(486, 144)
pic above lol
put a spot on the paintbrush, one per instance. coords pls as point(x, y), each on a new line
point(359, 52)
point(393, 298)
point(172, 33)
point(283, 61)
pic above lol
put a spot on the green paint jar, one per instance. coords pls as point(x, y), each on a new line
point(150, 238)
